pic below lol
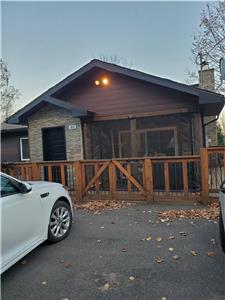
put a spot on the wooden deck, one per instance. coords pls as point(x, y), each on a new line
point(153, 179)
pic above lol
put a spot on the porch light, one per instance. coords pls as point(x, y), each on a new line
point(105, 81)
point(97, 82)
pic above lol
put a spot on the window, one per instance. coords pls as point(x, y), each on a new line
point(149, 142)
point(8, 187)
point(24, 148)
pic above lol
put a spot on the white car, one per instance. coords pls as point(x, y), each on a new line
point(222, 215)
point(30, 214)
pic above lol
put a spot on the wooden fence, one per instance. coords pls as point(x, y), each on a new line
point(168, 179)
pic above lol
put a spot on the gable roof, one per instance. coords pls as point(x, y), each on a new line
point(204, 96)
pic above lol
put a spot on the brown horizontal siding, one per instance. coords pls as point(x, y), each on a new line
point(10, 146)
point(124, 95)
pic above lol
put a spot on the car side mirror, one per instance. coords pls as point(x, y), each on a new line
point(222, 187)
point(25, 188)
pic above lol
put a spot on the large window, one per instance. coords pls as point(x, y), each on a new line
point(149, 142)
point(24, 148)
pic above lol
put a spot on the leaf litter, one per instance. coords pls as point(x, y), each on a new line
point(98, 206)
point(211, 212)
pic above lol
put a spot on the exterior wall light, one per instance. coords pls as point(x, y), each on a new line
point(105, 81)
point(97, 82)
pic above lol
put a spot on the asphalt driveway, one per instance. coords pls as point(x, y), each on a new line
point(113, 256)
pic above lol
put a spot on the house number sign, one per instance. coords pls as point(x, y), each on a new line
point(74, 126)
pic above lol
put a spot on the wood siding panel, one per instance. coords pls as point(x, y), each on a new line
point(124, 95)
point(10, 146)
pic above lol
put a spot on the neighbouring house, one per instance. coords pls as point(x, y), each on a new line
point(107, 111)
point(14, 143)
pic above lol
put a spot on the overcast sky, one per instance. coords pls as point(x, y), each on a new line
point(43, 42)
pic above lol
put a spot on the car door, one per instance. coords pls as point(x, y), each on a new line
point(21, 219)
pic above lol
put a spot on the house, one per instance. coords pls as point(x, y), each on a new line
point(14, 143)
point(106, 111)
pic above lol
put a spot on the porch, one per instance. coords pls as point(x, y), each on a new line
point(190, 178)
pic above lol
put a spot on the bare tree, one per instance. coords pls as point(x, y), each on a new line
point(210, 39)
point(116, 59)
point(8, 93)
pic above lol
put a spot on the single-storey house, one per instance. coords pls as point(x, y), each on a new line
point(104, 110)
point(14, 143)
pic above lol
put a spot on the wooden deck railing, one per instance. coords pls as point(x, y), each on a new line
point(180, 178)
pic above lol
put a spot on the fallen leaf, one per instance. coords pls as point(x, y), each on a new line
point(124, 250)
point(163, 298)
point(213, 241)
point(106, 286)
point(131, 278)
point(99, 241)
point(148, 238)
point(171, 249)
point(102, 227)
point(44, 282)
point(164, 220)
point(176, 257)
point(23, 262)
point(210, 254)
point(68, 265)
point(193, 252)
point(158, 239)
point(171, 237)
point(159, 260)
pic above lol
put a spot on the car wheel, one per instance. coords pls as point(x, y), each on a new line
point(60, 222)
point(222, 233)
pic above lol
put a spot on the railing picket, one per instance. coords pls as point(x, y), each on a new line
point(49, 173)
point(62, 173)
point(185, 177)
point(166, 176)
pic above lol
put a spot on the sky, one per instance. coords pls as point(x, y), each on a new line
point(43, 42)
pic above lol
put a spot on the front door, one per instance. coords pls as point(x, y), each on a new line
point(54, 146)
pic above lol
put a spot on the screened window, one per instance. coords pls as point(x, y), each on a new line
point(149, 142)
point(24, 149)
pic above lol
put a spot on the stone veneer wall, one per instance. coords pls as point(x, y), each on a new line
point(52, 116)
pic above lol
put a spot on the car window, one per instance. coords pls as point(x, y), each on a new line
point(8, 187)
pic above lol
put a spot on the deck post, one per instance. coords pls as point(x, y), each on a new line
point(78, 181)
point(35, 171)
point(112, 180)
point(204, 165)
point(148, 179)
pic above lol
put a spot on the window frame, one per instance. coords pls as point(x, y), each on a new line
point(21, 148)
